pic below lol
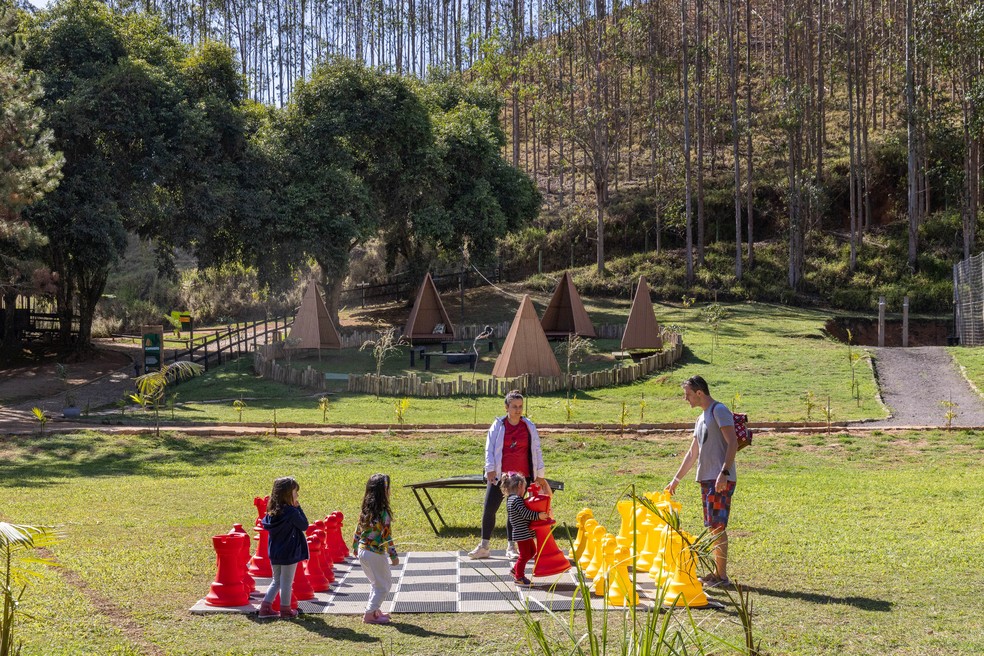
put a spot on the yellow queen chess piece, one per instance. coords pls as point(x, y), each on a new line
point(684, 589)
point(601, 581)
point(621, 592)
point(583, 516)
point(588, 546)
point(597, 552)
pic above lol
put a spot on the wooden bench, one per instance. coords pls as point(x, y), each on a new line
point(468, 482)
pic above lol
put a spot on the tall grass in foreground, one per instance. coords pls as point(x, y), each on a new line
point(661, 630)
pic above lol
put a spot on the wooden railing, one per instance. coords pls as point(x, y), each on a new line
point(235, 341)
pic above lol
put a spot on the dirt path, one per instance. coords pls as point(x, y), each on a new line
point(914, 382)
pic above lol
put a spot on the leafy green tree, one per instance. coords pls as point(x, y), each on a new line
point(29, 169)
point(113, 99)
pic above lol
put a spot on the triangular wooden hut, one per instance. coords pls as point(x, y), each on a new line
point(641, 330)
point(526, 349)
point(313, 326)
point(565, 315)
point(429, 321)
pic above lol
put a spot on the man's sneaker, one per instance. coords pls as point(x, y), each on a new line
point(718, 583)
point(512, 553)
point(480, 552)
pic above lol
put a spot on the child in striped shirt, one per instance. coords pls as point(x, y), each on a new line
point(373, 541)
point(513, 488)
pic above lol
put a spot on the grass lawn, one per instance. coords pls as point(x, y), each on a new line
point(851, 544)
point(771, 356)
point(971, 360)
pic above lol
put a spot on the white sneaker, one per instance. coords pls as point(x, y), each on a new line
point(512, 553)
point(480, 552)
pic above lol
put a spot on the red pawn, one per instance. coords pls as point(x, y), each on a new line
point(228, 589)
point(336, 543)
point(259, 564)
point(326, 565)
point(549, 559)
point(301, 590)
point(248, 581)
point(312, 566)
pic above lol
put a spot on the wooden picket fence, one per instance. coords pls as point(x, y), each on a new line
point(266, 364)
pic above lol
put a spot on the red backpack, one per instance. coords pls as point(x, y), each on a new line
point(742, 431)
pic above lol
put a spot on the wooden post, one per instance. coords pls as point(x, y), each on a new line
point(905, 321)
point(881, 321)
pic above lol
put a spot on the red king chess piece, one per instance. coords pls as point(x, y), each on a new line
point(549, 560)
point(228, 588)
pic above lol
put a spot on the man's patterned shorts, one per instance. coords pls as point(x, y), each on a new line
point(717, 505)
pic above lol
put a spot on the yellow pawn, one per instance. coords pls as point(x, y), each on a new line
point(588, 546)
point(656, 571)
point(647, 537)
point(579, 541)
point(600, 584)
point(597, 553)
point(638, 538)
point(684, 589)
point(625, 507)
point(621, 592)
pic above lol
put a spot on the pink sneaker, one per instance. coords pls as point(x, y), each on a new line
point(375, 617)
point(266, 610)
point(288, 613)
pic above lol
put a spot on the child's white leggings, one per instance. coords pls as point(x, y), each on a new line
point(377, 569)
point(283, 579)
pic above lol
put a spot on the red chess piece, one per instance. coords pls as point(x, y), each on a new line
point(244, 557)
point(261, 508)
point(228, 588)
point(259, 564)
point(312, 566)
point(336, 544)
point(326, 565)
point(301, 590)
point(549, 559)
point(341, 533)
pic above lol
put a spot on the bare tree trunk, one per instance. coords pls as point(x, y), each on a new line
point(910, 119)
point(686, 144)
point(735, 136)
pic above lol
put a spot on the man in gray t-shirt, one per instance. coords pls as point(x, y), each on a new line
point(713, 449)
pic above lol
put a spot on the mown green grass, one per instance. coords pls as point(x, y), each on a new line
point(770, 356)
point(855, 544)
point(971, 361)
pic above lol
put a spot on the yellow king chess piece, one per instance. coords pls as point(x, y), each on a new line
point(621, 591)
point(597, 552)
point(684, 589)
point(588, 547)
point(601, 581)
point(579, 542)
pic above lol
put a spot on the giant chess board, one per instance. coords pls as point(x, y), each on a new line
point(445, 582)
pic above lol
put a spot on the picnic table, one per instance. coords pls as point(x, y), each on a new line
point(469, 481)
point(419, 352)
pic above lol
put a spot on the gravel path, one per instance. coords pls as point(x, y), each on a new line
point(915, 381)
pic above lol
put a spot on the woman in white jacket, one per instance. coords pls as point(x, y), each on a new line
point(511, 445)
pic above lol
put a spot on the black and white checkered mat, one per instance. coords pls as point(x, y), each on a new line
point(444, 582)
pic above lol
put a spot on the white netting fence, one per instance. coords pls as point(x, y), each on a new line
point(968, 300)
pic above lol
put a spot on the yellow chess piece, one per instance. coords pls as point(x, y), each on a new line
point(684, 589)
point(647, 537)
point(588, 547)
point(625, 510)
point(600, 584)
point(656, 571)
point(621, 592)
point(579, 541)
point(597, 553)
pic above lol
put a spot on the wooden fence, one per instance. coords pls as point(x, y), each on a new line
point(265, 364)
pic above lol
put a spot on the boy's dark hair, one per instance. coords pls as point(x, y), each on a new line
point(280, 496)
point(376, 500)
point(697, 384)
